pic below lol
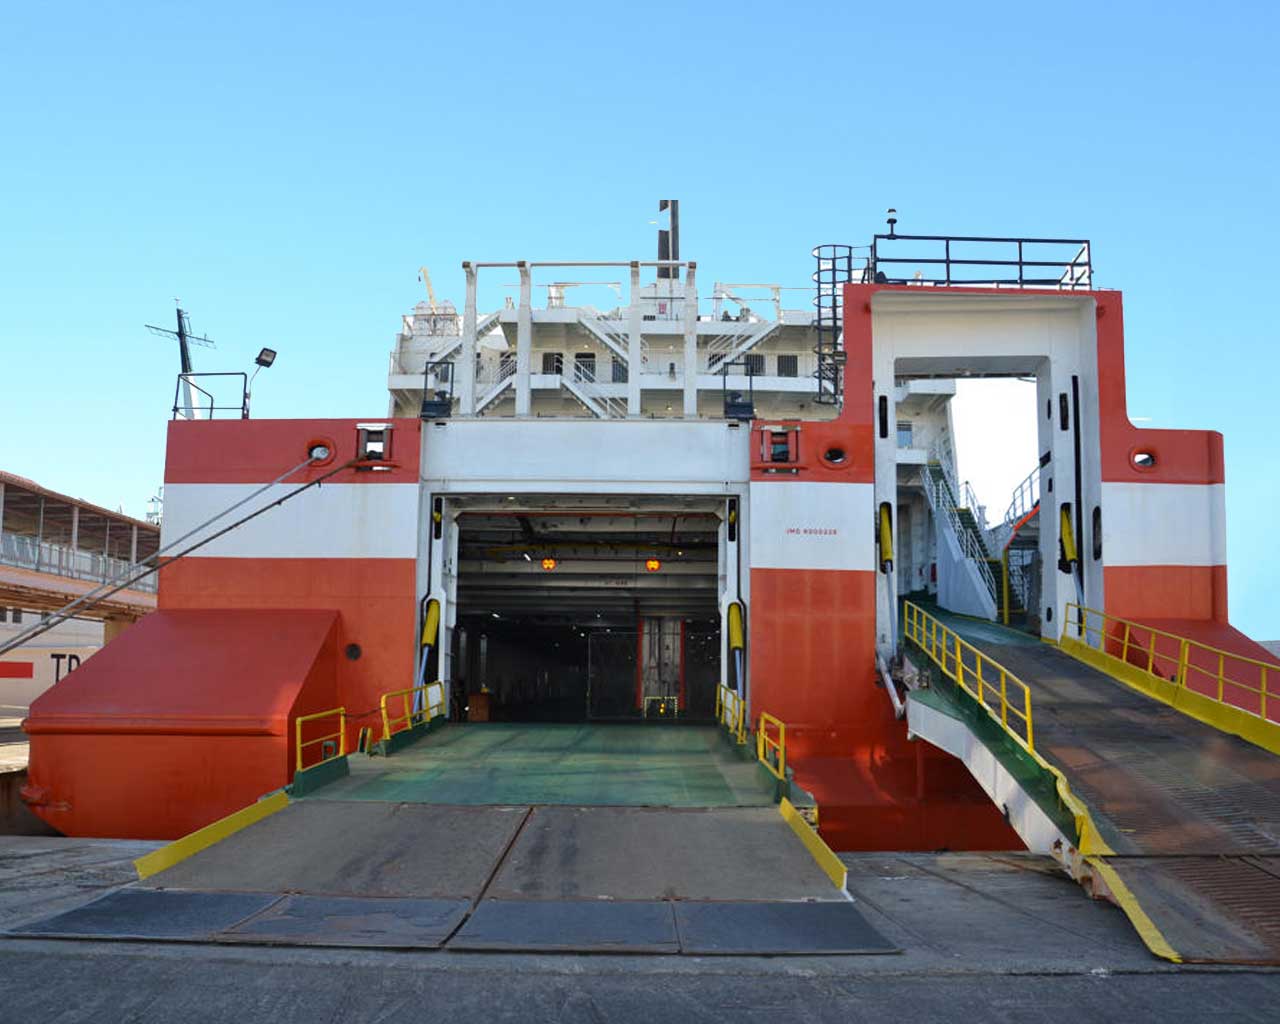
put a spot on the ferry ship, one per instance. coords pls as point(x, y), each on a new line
point(615, 555)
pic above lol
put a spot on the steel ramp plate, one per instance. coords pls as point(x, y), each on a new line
point(361, 923)
point(362, 849)
point(776, 929)
point(1210, 909)
point(171, 915)
point(570, 926)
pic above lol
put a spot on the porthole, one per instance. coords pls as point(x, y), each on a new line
point(1143, 460)
point(836, 455)
point(353, 652)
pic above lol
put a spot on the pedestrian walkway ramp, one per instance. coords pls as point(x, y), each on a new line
point(346, 867)
point(1176, 821)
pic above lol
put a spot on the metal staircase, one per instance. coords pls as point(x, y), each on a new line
point(726, 348)
point(944, 497)
point(491, 383)
point(584, 386)
point(612, 334)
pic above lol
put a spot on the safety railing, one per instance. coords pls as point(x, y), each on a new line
point(340, 748)
point(1228, 678)
point(771, 745)
point(1006, 697)
point(945, 261)
point(44, 556)
point(942, 502)
point(731, 712)
point(419, 704)
point(1026, 496)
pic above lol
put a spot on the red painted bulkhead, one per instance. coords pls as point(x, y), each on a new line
point(112, 772)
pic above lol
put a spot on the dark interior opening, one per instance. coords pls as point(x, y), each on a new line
point(588, 610)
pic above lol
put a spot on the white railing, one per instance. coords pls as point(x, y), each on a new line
point(942, 503)
point(614, 333)
point(492, 380)
point(1026, 496)
point(724, 348)
point(59, 560)
point(592, 392)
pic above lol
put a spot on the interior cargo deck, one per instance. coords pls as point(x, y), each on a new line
point(1190, 813)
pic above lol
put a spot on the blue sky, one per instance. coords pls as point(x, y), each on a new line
point(285, 168)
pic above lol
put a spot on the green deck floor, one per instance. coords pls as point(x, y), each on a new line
point(609, 765)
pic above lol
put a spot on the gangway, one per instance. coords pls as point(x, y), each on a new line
point(1176, 821)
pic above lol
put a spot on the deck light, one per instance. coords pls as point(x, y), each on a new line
point(652, 565)
point(893, 219)
point(548, 564)
point(266, 357)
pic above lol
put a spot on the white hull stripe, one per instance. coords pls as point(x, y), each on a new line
point(798, 525)
point(328, 521)
point(1163, 524)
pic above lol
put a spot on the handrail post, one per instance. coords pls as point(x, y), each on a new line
point(1151, 656)
point(960, 665)
point(1124, 651)
point(1004, 699)
point(1221, 658)
point(1184, 661)
point(1026, 708)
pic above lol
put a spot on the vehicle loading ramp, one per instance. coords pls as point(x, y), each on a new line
point(1187, 817)
point(397, 873)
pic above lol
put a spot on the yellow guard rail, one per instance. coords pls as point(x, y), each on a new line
point(988, 682)
point(340, 735)
point(1167, 658)
point(775, 745)
point(430, 707)
point(731, 712)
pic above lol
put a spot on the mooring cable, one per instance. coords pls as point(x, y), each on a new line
point(106, 590)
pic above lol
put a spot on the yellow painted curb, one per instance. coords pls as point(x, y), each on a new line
point(818, 849)
point(1143, 925)
point(1220, 715)
point(201, 839)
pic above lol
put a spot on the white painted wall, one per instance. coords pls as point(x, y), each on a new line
point(1051, 337)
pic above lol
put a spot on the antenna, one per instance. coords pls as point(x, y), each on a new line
point(184, 336)
point(185, 340)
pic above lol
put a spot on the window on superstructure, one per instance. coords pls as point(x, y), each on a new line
point(904, 433)
point(619, 371)
point(754, 364)
point(17, 616)
point(553, 362)
point(584, 366)
point(788, 366)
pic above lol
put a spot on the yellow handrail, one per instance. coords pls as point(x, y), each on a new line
point(731, 712)
point(766, 745)
point(1182, 658)
point(340, 735)
point(976, 674)
point(430, 708)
